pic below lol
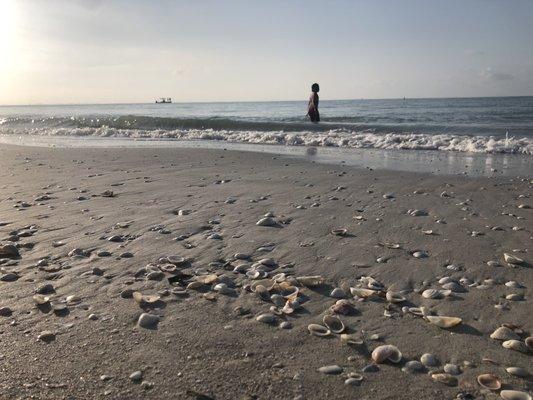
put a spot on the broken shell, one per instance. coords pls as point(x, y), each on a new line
point(394, 297)
point(514, 395)
point(489, 381)
point(517, 371)
point(447, 379)
point(40, 299)
point(510, 259)
point(318, 330)
point(310, 281)
point(290, 306)
point(515, 345)
point(387, 352)
point(351, 339)
point(207, 279)
point(333, 323)
point(443, 322)
point(363, 293)
point(504, 333)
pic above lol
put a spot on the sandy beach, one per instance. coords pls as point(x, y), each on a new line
point(143, 273)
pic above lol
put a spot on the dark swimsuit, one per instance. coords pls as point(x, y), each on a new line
point(312, 108)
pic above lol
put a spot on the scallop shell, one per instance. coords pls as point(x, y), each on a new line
point(351, 339)
point(489, 381)
point(394, 297)
point(447, 379)
point(310, 281)
point(333, 323)
point(504, 333)
point(363, 293)
point(318, 330)
point(387, 352)
point(514, 395)
point(515, 345)
point(513, 260)
point(443, 322)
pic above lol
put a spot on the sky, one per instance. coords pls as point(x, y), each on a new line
point(122, 51)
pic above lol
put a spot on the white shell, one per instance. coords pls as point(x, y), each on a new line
point(387, 352)
point(443, 322)
point(514, 395)
point(318, 330)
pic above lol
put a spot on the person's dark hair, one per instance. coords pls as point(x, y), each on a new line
point(315, 88)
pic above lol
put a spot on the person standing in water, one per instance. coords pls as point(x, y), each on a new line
point(312, 107)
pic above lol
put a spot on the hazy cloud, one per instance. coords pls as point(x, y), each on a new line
point(489, 74)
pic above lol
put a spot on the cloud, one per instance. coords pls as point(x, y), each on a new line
point(497, 76)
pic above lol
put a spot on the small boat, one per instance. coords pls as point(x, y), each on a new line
point(164, 100)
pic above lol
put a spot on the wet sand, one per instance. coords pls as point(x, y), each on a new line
point(208, 343)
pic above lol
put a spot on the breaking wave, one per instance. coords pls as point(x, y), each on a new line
point(315, 136)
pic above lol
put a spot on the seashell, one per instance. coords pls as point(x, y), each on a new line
point(510, 259)
point(277, 299)
point(418, 311)
point(428, 232)
point(454, 287)
point(515, 297)
point(515, 345)
point(447, 379)
point(195, 285)
point(278, 278)
point(207, 279)
point(429, 360)
point(363, 293)
point(529, 342)
point(222, 288)
point(420, 254)
point(339, 232)
point(489, 381)
point(149, 299)
point(371, 283)
point(266, 318)
point(318, 330)
point(343, 307)
point(443, 322)
point(504, 333)
point(394, 297)
point(354, 379)
point(310, 281)
point(337, 293)
point(432, 294)
point(351, 339)
point(290, 306)
point(514, 395)
point(267, 221)
point(40, 299)
point(386, 352)
point(517, 371)
point(333, 323)
point(242, 268)
point(290, 292)
point(275, 310)
point(268, 283)
point(413, 366)
point(331, 369)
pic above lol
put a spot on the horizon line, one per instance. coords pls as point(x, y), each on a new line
point(261, 101)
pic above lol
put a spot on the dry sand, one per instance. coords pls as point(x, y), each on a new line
point(212, 345)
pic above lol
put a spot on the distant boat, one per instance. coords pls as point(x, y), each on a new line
point(164, 100)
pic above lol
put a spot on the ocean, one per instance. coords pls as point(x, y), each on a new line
point(472, 125)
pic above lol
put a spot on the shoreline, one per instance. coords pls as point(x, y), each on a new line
point(425, 161)
point(207, 341)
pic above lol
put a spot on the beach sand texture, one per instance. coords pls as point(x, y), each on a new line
point(131, 257)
